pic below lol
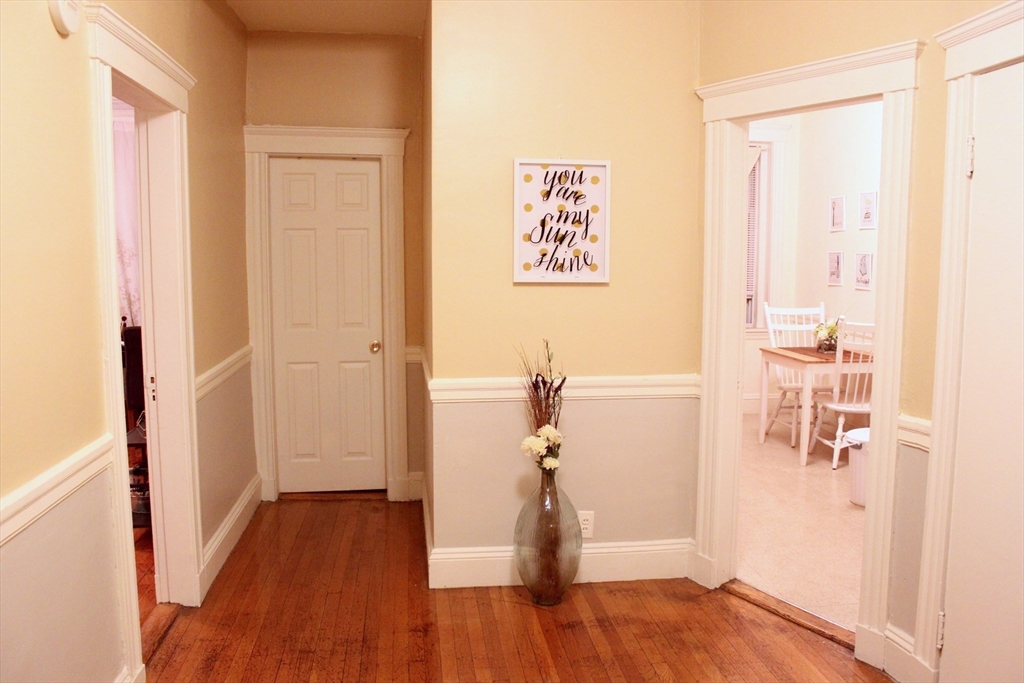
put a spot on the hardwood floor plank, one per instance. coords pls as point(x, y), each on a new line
point(334, 588)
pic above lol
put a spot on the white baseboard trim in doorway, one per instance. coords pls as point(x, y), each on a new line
point(631, 561)
point(900, 662)
point(216, 552)
point(870, 647)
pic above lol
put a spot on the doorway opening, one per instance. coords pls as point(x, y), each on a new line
point(812, 242)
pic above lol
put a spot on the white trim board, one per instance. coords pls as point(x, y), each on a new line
point(495, 566)
point(915, 432)
point(217, 550)
point(33, 499)
point(977, 45)
point(501, 389)
point(388, 147)
point(849, 77)
point(889, 73)
point(223, 371)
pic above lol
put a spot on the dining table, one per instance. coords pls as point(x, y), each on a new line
point(809, 362)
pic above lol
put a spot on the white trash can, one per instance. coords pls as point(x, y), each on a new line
point(858, 440)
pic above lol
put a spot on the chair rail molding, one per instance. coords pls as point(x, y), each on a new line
point(388, 147)
point(979, 44)
point(887, 73)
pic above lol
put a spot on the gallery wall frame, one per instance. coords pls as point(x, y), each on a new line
point(835, 269)
point(561, 211)
point(863, 271)
point(837, 214)
point(867, 210)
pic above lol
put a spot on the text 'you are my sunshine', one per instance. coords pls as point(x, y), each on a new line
point(564, 233)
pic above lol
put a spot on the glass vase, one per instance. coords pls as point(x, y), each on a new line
point(548, 542)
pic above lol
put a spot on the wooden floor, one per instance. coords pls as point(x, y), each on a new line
point(144, 571)
point(335, 590)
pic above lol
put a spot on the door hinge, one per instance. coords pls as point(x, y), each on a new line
point(970, 156)
point(152, 387)
point(940, 634)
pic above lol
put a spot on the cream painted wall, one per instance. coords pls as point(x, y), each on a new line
point(741, 39)
point(308, 79)
point(51, 388)
point(208, 40)
point(840, 155)
point(573, 80)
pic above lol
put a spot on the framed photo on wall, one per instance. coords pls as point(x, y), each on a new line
point(837, 214)
point(835, 269)
point(867, 210)
point(561, 210)
point(863, 270)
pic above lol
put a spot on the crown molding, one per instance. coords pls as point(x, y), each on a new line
point(986, 22)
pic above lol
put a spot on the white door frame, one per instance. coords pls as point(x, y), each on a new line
point(387, 146)
point(125, 63)
point(889, 73)
point(979, 44)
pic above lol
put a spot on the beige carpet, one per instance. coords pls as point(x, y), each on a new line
point(800, 537)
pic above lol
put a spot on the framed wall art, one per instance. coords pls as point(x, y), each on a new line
point(837, 214)
point(863, 270)
point(835, 269)
point(867, 210)
point(561, 221)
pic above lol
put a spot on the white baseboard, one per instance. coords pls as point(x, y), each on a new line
point(268, 489)
point(30, 501)
point(402, 489)
point(870, 646)
point(128, 677)
point(495, 566)
point(415, 486)
point(216, 552)
point(704, 571)
point(900, 662)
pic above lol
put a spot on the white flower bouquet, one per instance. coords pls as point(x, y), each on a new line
point(543, 406)
point(827, 334)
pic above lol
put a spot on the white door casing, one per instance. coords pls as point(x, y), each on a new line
point(387, 146)
point(890, 73)
point(984, 601)
point(325, 250)
point(984, 42)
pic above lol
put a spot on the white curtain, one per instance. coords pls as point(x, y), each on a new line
point(126, 213)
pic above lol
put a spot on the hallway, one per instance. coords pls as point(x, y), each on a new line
point(334, 588)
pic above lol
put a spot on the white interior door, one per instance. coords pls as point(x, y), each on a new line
point(984, 599)
point(325, 248)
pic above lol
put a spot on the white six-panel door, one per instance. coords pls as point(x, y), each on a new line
point(984, 600)
point(325, 243)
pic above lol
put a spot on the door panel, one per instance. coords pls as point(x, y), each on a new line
point(984, 600)
point(325, 232)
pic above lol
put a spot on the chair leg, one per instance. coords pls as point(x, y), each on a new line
point(818, 419)
point(792, 422)
point(837, 445)
point(775, 413)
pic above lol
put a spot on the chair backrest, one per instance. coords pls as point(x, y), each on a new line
point(852, 375)
point(792, 327)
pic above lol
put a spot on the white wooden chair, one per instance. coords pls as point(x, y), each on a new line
point(851, 377)
point(792, 327)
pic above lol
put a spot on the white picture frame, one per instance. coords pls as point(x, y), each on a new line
point(867, 210)
point(835, 269)
point(562, 215)
point(837, 214)
point(863, 271)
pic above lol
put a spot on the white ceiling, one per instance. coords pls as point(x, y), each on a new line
point(373, 17)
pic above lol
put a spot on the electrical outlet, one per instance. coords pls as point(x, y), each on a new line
point(587, 522)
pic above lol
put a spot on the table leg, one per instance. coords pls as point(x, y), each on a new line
point(805, 416)
point(764, 401)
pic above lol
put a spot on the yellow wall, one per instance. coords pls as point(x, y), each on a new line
point(744, 38)
point(51, 386)
point(580, 80)
point(309, 79)
point(208, 40)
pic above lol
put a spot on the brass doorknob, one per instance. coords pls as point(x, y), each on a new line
point(374, 346)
